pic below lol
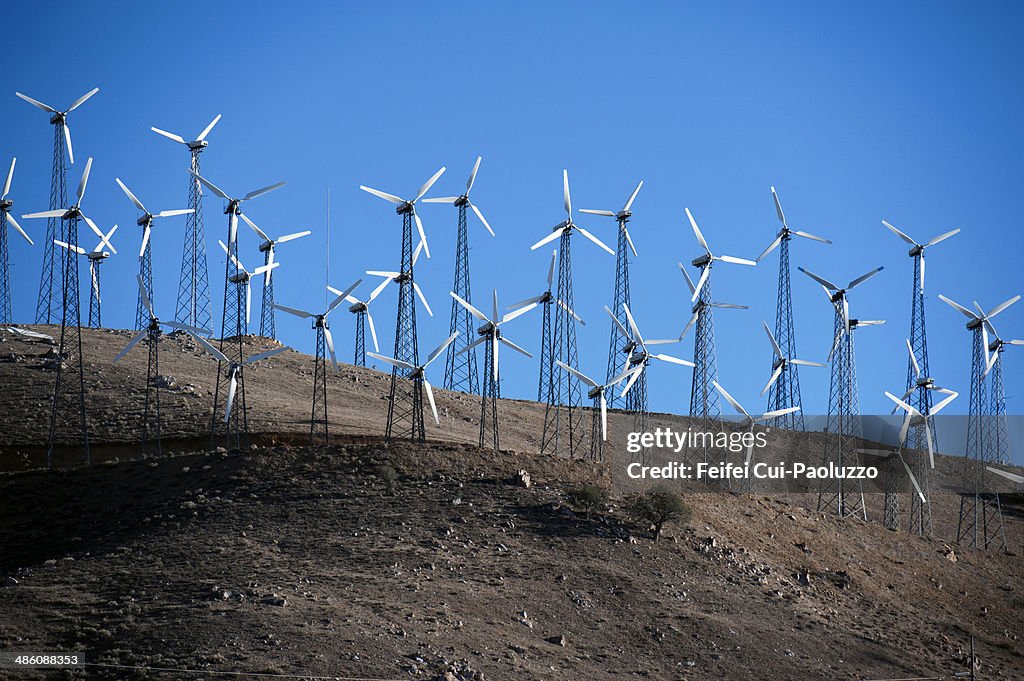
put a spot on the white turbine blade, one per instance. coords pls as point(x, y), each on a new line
point(84, 182)
point(696, 231)
point(903, 405)
point(618, 379)
point(806, 363)
point(472, 175)
point(693, 320)
point(991, 359)
point(771, 339)
point(211, 186)
point(232, 387)
point(217, 354)
point(36, 103)
point(384, 195)
point(864, 277)
point(67, 140)
point(172, 213)
point(377, 291)
point(105, 239)
point(384, 273)
point(131, 344)
point(472, 310)
point(922, 271)
point(729, 398)
point(185, 327)
point(1006, 474)
point(942, 237)
point(905, 428)
point(771, 247)
point(428, 184)
point(423, 298)
point(900, 234)
point(632, 197)
point(736, 261)
point(169, 135)
point(808, 235)
point(495, 345)
point(14, 223)
point(567, 200)
point(373, 331)
point(846, 314)
point(46, 214)
point(629, 240)
point(291, 237)
point(262, 269)
point(634, 375)
point(481, 216)
point(550, 237)
point(144, 294)
point(475, 343)
point(622, 329)
point(778, 207)
point(906, 396)
point(10, 176)
point(248, 301)
point(301, 314)
point(265, 355)
point(436, 352)
point(270, 264)
point(583, 377)
point(330, 346)
point(674, 360)
point(523, 303)
point(632, 325)
point(661, 341)
point(235, 260)
point(342, 296)
point(956, 306)
point(594, 239)
point(942, 405)
point(131, 197)
point(442, 199)
point(145, 240)
point(913, 360)
point(423, 235)
point(232, 227)
point(1002, 306)
point(263, 190)
point(95, 281)
point(835, 345)
point(778, 412)
point(252, 225)
point(81, 100)
point(705, 272)
point(771, 381)
point(416, 253)
point(689, 282)
point(207, 129)
point(824, 282)
point(519, 309)
point(551, 268)
point(394, 362)
point(604, 417)
point(77, 249)
point(591, 211)
point(913, 480)
point(515, 347)
point(494, 305)
point(430, 398)
point(571, 312)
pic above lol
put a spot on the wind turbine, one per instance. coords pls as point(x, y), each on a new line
point(152, 332)
point(1001, 445)
point(621, 292)
point(547, 299)
point(401, 278)
point(49, 296)
point(244, 279)
point(193, 284)
point(417, 374)
point(96, 257)
point(146, 250)
point(490, 335)
point(981, 516)
point(781, 364)
point(460, 367)
point(703, 399)
point(564, 390)
point(599, 412)
point(785, 392)
point(749, 422)
point(268, 328)
point(843, 424)
point(68, 419)
point(361, 309)
point(406, 344)
point(318, 415)
point(5, 265)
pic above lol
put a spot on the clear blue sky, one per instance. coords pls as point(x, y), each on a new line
point(907, 111)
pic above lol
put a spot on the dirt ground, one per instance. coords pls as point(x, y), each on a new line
point(400, 562)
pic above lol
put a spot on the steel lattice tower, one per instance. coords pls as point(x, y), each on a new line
point(489, 397)
point(621, 297)
point(981, 517)
point(460, 370)
point(563, 416)
point(68, 418)
point(360, 355)
point(1001, 438)
point(636, 402)
point(703, 397)
point(95, 316)
point(268, 327)
point(194, 306)
point(5, 267)
point(318, 430)
point(151, 410)
point(50, 298)
point(146, 272)
point(545, 384)
point(235, 430)
point(920, 519)
point(405, 405)
point(785, 392)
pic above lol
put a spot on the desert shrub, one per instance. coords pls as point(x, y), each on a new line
point(589, 498)
point(658, 507)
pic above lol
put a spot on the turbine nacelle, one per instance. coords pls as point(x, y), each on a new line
point(702, 261)
point(405, 207)
point(197, 145)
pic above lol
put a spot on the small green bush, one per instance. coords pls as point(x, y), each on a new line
point(589, 498)
point(658, 507)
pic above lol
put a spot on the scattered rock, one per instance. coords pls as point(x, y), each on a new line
point(803, 577)
point(274, 599)
point(556, 640)
point(949, 553)
point(522, 478)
